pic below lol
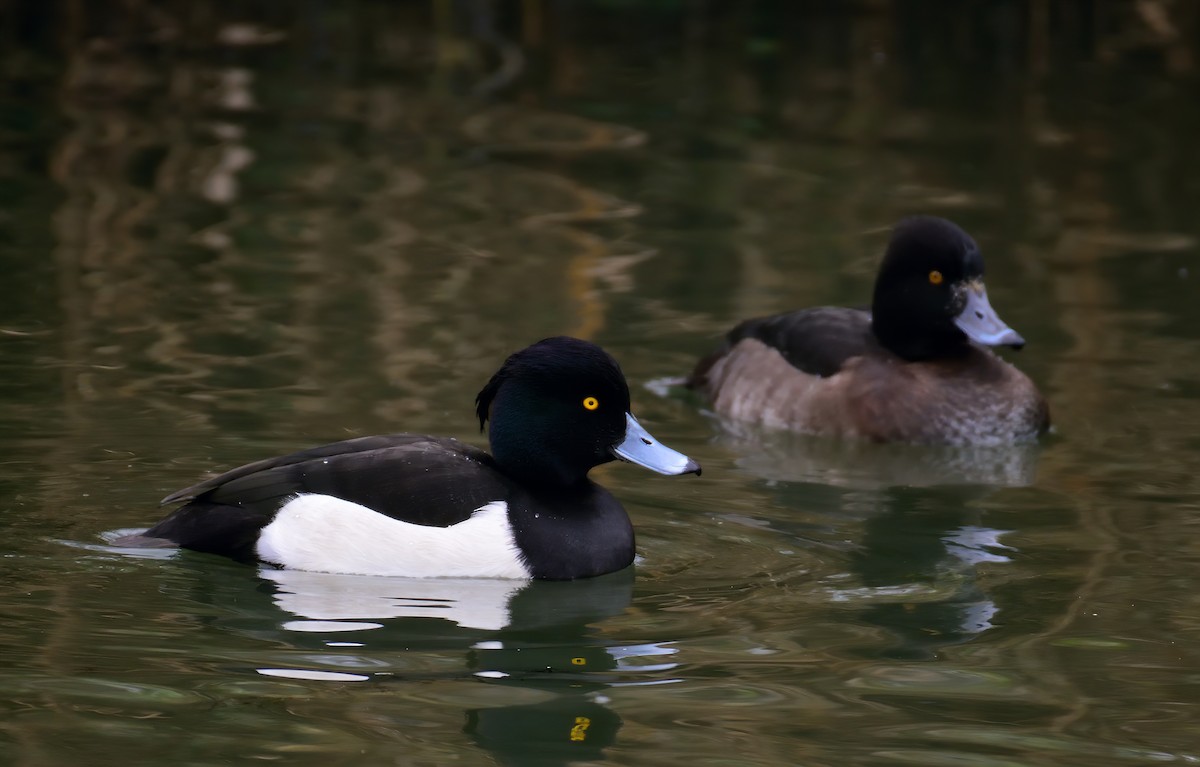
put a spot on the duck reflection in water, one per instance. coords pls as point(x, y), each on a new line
point(924, 565)
point(534, 635)
point(917, 544)
point(781, 456)
point(560, 731)
point(460, 610)
point(919, 562)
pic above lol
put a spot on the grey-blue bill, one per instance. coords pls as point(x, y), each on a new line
point(981, 323)
point(641, 448)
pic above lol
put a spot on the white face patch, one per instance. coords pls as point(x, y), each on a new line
point(341, 602)
point(325, 534)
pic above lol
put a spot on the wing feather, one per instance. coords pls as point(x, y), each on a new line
point(417, 478)
point(815, 341)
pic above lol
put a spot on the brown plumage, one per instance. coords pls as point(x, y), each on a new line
point(907, 371)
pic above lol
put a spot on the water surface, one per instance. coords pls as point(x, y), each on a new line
point(226, 237)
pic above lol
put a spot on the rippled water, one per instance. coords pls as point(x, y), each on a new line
point(227, 238)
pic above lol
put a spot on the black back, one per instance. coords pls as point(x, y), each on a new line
point(420, 479)
point(815, 341)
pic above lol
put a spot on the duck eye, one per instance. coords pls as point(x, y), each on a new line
point(935, 277)
point(590, 403)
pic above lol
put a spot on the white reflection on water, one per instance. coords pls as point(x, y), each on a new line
point(955, 585)
point(322, 627)
point(333, 602)
point(620, 654)
point(310, 674)
point(973, 544)
point(109, 536)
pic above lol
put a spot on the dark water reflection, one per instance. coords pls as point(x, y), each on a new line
point(228, 237)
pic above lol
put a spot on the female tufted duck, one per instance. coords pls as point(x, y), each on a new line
point(413, 505)
point(912, 369)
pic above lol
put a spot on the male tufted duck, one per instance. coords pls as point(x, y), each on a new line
point(413, 505)
point(912, 369)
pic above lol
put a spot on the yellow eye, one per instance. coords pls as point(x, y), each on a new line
point(591, 403)
point(935, 277)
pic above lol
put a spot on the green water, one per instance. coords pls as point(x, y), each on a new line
point(224, 237)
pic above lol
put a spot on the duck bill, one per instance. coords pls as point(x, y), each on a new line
point(981, 323)
point(644, 450)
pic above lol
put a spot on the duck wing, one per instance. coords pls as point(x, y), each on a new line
point(420, 479)
point(815, 341)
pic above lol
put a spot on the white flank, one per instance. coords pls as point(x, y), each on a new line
point(326, 534)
